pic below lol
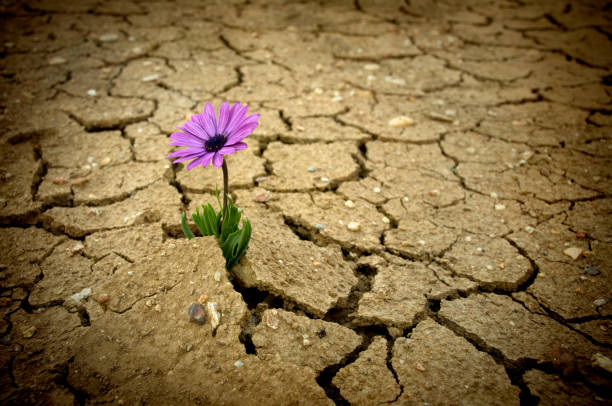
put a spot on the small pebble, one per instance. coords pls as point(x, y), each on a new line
point(158, 308)
point(602, 361)
point(573, 252)
point(203, 299)
point(92, 92)
point(319, 226)
point(197, 314)
point(386, 220)
point(238, 364)
point(312, 169)
point(500, 207)
point(324, 179)
point(591, 270)
point(401, 122)
point(57, 60)
point(599, 302)
point(440, 117)
point(217, 276)
point(349, 203)
point(150, 78)
point(418, 366)
point(529, 229)
point(493, 195)
point(376, 190)
point(149, 303)
point(405, 244)
point(261, 198)
point(28, 333)
point(316, 263)
point(111, 37)
point(213, 314)
point(354, 226)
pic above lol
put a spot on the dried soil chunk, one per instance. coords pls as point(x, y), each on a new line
point(586, 44)
point(158, 202)
point(329, 218)
point(311, 166)
point(109, 112)
point(508, 325)
point(321, 129)
point(66, 272)
point(302, 341)
point(26, 244)
point(110, 184)
point(519, 122)
point(398, 295)
point(492, 262)
point(563, 283)
point(426, 158)
point(243, 169)
point(161, 348)
point(46, 337)
point(406, 77)
point(436, 366)
point(600, 330)
point(149, 143)
point(131, 243)
point(553, 390)
point(541, 181)
point(22, 249)
point(368, 381)
point(278, 261)
point(419, 238)
point(55, 187)
point(594, 217)
point(187, 76)
point(76, 149)
point(369, 47)
point(19, 172)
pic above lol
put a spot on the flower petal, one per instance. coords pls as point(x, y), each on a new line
point(194, 128)
point(217, 159)
point(210, 119)
point(240, 134)
point(223, 117)
point(230, 149)
point(236, 120)
point(188, 143)
point(203, 160)
point(186, 151)
point(207, 158)
point(186, 158)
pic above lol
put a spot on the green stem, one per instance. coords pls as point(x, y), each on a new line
point(225, 189)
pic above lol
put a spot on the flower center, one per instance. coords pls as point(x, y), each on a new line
point(214, 144)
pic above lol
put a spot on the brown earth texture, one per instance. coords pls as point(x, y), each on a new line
point(430, 188)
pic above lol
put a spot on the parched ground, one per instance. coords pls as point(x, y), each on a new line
point(430, 188)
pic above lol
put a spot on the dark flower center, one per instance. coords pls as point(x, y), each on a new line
point(214, 144)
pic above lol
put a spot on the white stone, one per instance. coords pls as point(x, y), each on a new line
point(401, 122)
point(110, 37)
point(573, 252)
point(354, 226)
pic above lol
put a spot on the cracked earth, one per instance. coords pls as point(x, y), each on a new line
point(428, 189)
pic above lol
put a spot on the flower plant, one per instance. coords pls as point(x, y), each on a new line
point(207, 140)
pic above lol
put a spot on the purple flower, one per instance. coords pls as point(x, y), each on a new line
point(207, 139)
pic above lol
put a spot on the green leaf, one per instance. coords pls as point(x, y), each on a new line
point(236, 244)
point(188, 233)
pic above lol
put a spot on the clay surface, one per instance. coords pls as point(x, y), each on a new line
point(429, 188)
